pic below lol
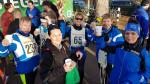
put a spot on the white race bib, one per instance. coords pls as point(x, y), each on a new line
point(77, 37)
point(29, 45)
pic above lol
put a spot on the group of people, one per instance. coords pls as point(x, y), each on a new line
point(38, 45)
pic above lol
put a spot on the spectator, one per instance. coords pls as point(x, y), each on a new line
point(25, 49)
point(14, 25)
point(7, 17)
point(33, 13)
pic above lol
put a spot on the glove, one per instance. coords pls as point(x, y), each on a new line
point(106, 37)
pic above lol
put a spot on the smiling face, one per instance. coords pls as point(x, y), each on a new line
point(107, 23)
point(11, 9)
point(78, 20)
point(131, 37)
point(25, 25)
point(56, 37)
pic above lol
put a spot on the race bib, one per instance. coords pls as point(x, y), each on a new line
point(29, 45)
point(77, 37)
point(43, 37)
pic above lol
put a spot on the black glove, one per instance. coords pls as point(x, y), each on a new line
point(106, 37)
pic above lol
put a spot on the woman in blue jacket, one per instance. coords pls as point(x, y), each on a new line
point(131, 65)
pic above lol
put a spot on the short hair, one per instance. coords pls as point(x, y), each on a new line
point(16, 11)
point(79, 14)
point(30, 1)
point(52, 27)
point(47, 3)
point(107, 16)
point(7, 6)
point(52, 6)
point(24, 19)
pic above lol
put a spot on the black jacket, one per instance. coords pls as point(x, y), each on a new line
point(51, 67)
point(14, 25)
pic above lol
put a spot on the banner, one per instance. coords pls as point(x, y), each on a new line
point(22, 4)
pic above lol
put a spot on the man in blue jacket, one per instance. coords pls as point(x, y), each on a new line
point(34, 14)
point(113, 36)
point(25, 50)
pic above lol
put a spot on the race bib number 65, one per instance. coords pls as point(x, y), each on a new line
point(77, 40)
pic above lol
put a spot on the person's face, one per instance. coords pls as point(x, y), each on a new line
point(25, 26)
point(106, 23)
point(30, 5)
point(131, 37)
point(11, 9)
point(44, 24)
point(56, 37)
point(46, 8)
point(17, 15)
point(78, 20)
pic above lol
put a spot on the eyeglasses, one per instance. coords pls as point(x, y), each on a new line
point(79, 18)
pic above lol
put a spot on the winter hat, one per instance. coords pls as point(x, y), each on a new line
point(133, 27)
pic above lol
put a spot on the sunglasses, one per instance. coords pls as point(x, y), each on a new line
point(79, 18)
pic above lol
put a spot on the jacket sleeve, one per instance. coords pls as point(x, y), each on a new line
point(38, 13)
point(117, 37)
point(5, 50)
point(62, 25)
point(27, 12)
point(90, 34)
point(144, 22)
point(47, 70)
point(146, 55)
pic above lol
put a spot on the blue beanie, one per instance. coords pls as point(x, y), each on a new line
point(133, 27)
